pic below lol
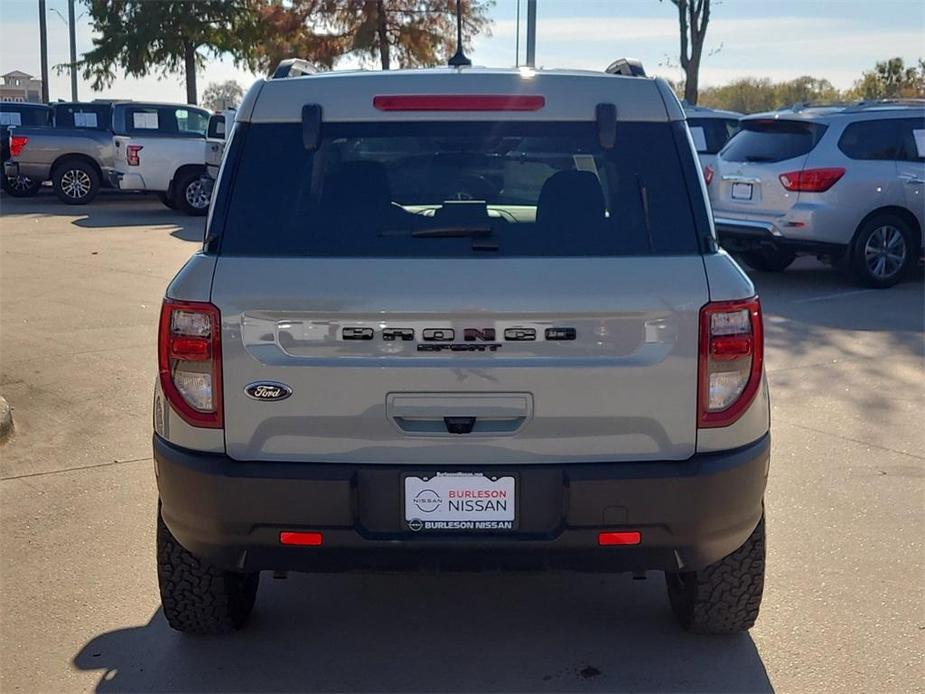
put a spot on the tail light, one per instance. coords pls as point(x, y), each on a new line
point(190, 361)
point(17, 142)
point(131, 155)
point(708, 174)
point(811, 180)
point(731, 357)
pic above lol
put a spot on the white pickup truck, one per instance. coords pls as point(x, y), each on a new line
point(164, 148)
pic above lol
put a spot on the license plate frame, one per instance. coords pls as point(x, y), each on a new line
point(743, 191)
point(428, 515)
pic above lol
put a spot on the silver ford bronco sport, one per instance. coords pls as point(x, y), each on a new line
point(457, 319)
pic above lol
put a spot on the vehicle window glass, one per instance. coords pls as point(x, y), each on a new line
point(871, 140)
point(710, 134)
point(191, 122)
point(458, 190)
point(912, 134)
point(772, 140)
point(144, 119)
point(10, 118)
point(96, 117)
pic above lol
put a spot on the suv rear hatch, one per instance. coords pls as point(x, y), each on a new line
point(458, 292)
point(749, 166)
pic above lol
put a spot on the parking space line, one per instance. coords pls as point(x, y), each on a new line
point(839, 295)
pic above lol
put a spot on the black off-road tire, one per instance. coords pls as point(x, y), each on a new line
point(887, 225)
point(725, 597)
point(769, 259)
point(190, 187)
point(75, 181)
point(197, 597)
point(20, 186)
point(167, 200)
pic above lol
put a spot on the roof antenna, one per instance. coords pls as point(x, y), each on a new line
point(459, 58)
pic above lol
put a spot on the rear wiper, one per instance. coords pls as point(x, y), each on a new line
point(453, 232)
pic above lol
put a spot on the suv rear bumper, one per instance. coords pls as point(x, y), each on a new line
point(736, 235)
point(689, 513)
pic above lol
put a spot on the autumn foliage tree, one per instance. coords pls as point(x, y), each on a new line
point(403, 33)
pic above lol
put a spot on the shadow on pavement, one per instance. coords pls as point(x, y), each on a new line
point(113, 209)
point(436, 633)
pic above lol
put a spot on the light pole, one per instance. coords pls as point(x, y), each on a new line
point(43, 48)
point(531, 33)
point(72, 30)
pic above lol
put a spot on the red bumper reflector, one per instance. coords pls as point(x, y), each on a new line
point(459, 102)
point(300, 539)
point(625, 537)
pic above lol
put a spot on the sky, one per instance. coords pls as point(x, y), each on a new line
point(780, 39)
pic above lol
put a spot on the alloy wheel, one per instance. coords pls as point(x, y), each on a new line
point(75, 183)
point(19, 183)
point(885, 252)
point(196, 195)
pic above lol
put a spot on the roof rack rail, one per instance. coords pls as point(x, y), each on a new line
point(293, 67)
point(628, 67)
point(874, 103)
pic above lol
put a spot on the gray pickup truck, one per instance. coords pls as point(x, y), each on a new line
point(98, 144)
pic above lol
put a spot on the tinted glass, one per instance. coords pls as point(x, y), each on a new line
point(875, 139)
point(713, 133)
point(93, 116)
point(912, 136)
point(190, 122)
point(457, 190)
point(772, 140)
point(11, 114)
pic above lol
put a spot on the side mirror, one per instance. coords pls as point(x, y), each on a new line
point(216, 128)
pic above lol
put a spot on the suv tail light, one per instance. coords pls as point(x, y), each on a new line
point(131, 155)
point(811, 180)
point(708, 174)
point(17, 142)
point(190, 361)
point(731, 357)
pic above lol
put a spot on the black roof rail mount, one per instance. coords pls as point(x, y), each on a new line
point(628, 67)
point(293, 67)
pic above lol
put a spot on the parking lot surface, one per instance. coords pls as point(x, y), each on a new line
point(844, 607)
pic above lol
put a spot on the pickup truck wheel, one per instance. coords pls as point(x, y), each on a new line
point(882, 251)
point(769, 259)
point(192, 195)
point(197, 597)
point(723, 598)
point(75, 182)
point(20, 186)
point(167, 200)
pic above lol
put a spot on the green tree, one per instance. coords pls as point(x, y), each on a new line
point(746, 95)
point(221, 95)
point(409, 33)
point(169, 36)
point(805, 89)
point(891, 79)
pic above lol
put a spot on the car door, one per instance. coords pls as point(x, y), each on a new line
point(911, 167)
point(158, 141)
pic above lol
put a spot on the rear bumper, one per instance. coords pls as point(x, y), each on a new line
point(689, 513)
point(750, 234)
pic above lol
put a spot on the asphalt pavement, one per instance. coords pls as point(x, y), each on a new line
point(844, 607)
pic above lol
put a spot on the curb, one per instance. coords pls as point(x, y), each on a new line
point(6, 418)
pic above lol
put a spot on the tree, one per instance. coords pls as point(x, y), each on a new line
point(805, 89)
point(221, 95)
point(746, 95)
point(410, 33)
point(693, 18)
point(891, 79)
point(168, 36)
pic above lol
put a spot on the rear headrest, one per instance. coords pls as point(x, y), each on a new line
point(570, 199)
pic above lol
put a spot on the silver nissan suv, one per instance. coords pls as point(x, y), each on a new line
point(846, 183)
point(460, 318)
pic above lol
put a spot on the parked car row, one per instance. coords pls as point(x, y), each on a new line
point(842, 182)
point(83, 147)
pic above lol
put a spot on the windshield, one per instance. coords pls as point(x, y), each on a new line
point(457, 190)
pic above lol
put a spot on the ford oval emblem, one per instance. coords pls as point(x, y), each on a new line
point(267, 390)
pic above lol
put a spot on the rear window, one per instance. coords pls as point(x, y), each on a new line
point(457, 190)
point(94, 117)
point(772, 140)
point(710, 134)
point(24, 116)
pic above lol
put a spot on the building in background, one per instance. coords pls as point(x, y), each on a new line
point(20, 86)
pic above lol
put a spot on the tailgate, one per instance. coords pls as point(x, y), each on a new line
point(420, 361)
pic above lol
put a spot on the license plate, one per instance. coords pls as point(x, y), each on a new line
point(460, 501)
point(742, 191)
